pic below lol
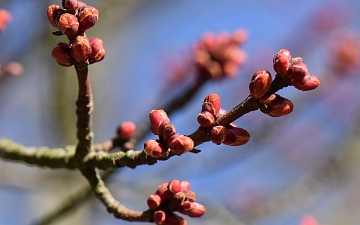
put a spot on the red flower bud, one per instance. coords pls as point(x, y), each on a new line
point(282, 62)
point(61, 53)
point(153, 148)
point(211, 104)
point(88, 17)
point(53, 13)
point(180, 144)
point(218, 134)
point(162, 190)
point(205, 119)
point(168, 131)
point(309, 82)
point(280, 107)
point(175, 186)
point(260, 84)
point(126, 130)
point(159, 217)
point(193, 209)
point(81, 49)
point(158, 120)
point(298, 71)
point(68, 24)
point(177, 199)
point(70, 5)
point(97, 50)
point(236, 136)
point(154, 201)
point(185, 185)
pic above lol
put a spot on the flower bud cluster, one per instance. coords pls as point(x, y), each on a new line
point(219, 56)
point(174, 196)
point(229, 135)
point(72, 20)
point(168, 138)
point(294, 69)
point(5, 18)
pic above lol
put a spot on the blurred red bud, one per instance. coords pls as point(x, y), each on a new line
point(154, 201)
point(260, 84)
point(162, 190)
point(185, 185)
point(126, 130)
point(173, 219)
point(159, 217)
point(236, 136)
point(61, 53)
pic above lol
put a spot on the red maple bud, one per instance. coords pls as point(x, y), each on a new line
point(68, 24)
point(126, 130)
point(190, 196)
point(205, 119)
point(159, 217)
point(53, 13)
point(162, 190)
point(81, 49)
point(218, 134)
point(97, 50)
point(177, 199)
point(280, 107)
point(88, 17)
point(282, 62)
point(61, 53)
point(298, 71)
point(168, 131)
point(185, 185)
point(173, 219)
point(193, 209)
point(154, 201)
point(175, 186)
point(309, 82)
point(180, 144)
point(80, 4)
point(70, 5)
point(211, 104)
point(158, 120)
point(153, 148)
point(236, 136)
point(260, 83)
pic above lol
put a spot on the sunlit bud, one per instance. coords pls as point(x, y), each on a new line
point(236, 136)
point(309, 82)
point(68, 24)
point(190, 196)
point(53, 14)
point(173, 219)
point(159, 217)
point(180, 144)
point(185, 185)
point(282, 62)
point(298, 71)
point(168, 131)
point(126, 130)
point(81, 49)
point(280, 107)
point(162, 190)
point(205, 119)
point(154, 201)
point(88, 17)
point(193, 209)
point(260, 83)
point(218, 134)
point(61, 53)
point(153, 148)
point(211, 104)
point(175, 186)
point(97, 50)
point(158, 120)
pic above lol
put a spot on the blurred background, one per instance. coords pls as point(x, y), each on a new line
point(306, 163)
